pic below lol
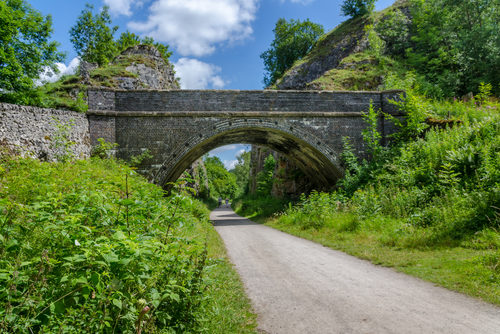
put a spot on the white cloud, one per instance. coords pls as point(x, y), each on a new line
point(196, 74)
point(222, 149)
point(122, 7)
point(229, 164)
point(63, 70)
point(195, 26)
point(240, 152)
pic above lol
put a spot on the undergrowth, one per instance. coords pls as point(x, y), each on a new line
point(91, 247)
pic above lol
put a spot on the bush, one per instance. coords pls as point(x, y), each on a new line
point(90, 247)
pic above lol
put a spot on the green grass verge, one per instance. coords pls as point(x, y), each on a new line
point(470, 271)
point(457, 268)
point(257, 208)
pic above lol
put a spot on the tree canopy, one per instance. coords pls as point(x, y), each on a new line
point(292, 41)
point(92, 36)
point(222, 183)
point(242, 171)
point(355, 8)
point(456, 44)
point(128, 39)
point(25, 49)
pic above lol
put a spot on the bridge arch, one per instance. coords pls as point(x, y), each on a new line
point(313, 156)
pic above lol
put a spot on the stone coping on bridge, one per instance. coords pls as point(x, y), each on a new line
point(392, 91)
point(227, 114)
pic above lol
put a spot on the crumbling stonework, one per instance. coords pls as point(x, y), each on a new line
point(152, 72)
point(86, 69)
point(31, 131)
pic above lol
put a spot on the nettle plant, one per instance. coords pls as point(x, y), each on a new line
point(95, 254)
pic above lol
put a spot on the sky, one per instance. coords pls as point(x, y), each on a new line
point(216, 44)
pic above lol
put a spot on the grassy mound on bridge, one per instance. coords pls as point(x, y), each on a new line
point(91, 247)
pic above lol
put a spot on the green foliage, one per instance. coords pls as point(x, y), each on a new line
point(91, 247)
point(92, 37)
point(136, 160)
point(265, 177)
point(292, 40)
point(356, 8)
point(93, 255)
point(370, 134)
point(377, 45)
point(455, 43)
point(414, 106)
point(26, 50)
point(221, 182)
point(259, 208)
point(242, 172)
point(128, 39)
point(61, 142)
point(393, 28)
point(103, 150)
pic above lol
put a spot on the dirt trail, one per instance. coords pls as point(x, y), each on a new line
point(297, 287)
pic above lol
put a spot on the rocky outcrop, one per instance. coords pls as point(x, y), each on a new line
point(151, 71)
point(339, 47)
point(258, 156)
point(288, 179)
point(345, 40)
point(198, 174)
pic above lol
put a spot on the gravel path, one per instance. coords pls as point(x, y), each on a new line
point(298, 286)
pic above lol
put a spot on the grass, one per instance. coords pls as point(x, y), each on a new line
point(257, 208)
point(230, 308)
point(456, 268)
point(63, 94)
point(361, 72)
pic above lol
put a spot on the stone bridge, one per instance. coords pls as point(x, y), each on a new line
point(179, 126)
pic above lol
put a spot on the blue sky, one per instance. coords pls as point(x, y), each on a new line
point(216, 43)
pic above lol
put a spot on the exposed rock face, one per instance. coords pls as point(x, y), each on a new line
point(86, 68)
point(339, 48)
point(289, 181)
point(153, 73)
point(198, 173)
point(257, 158)
point(343, 41)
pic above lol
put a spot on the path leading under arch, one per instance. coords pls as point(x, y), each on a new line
point(298, 287)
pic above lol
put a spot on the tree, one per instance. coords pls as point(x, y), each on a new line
point(265, 177)
point(222, 183)
point(355, 8)
point(292, 41)
point(128, 39)
point(25, 50)
point(242, 171)
point(455, 43)
point(92, 37)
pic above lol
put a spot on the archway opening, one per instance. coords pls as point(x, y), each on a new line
point(306, 152)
